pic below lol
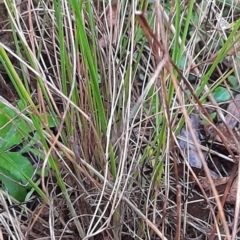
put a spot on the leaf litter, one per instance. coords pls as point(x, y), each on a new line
point(231, 120)
point(185, 141)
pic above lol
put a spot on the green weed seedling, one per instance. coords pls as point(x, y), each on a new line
point(16, 170)
point(221, 94)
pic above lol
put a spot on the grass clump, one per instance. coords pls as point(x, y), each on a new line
point(101, 96)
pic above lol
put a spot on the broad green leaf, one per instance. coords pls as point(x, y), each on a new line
point(27, 148)
point(221, 94)
point(17, 166)
point(50, 119)
point(233, 81)
point(182, 62)
point(212, 116)
point(12, 128)
point(22, 105)
point(51, 123)
point(39, 172)
point(9, 184)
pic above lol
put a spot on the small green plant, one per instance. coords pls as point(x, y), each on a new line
point(16, 170)
point(221, 94)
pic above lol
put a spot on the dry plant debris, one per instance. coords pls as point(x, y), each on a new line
point(186, 142)
point(111, 16)
point(221, 182)
point(133, 204)
point(231, 119)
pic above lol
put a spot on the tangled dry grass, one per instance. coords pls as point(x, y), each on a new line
point(123, 175)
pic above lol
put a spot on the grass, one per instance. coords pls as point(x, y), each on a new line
point(107, 91)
